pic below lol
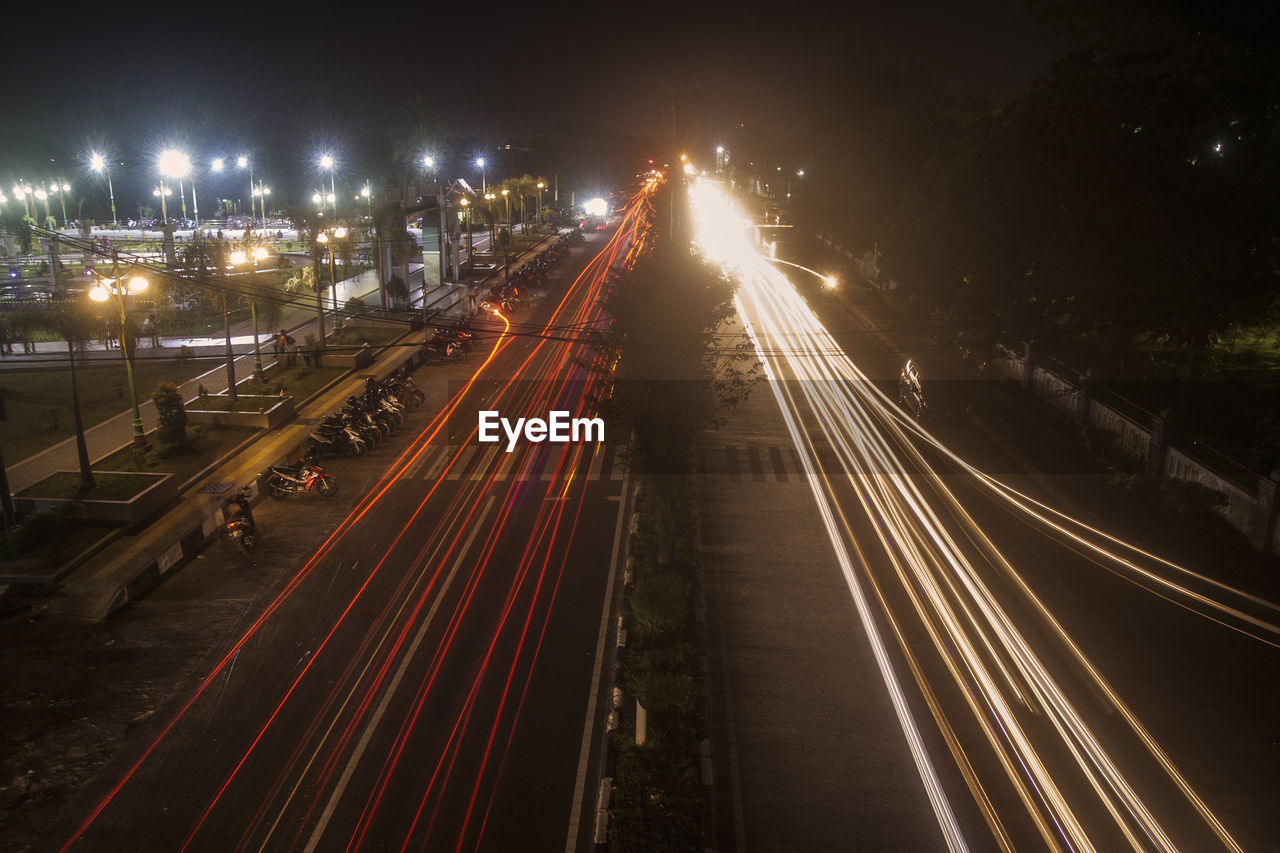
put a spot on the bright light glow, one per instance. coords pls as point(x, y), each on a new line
point(480, 162)
point(339, 232)
point(688, 168)
point(41, 194)
point(364, 191)
point(504, 192)
point(137, 284)
point(317, 198)
point(238, 257)
point(829, 282)
point(894, 522)
point(800, 173)
point(322, 237)
point(684, 157)
point(174, 164)
point(719, 149)
point(97, 162)
point(217, 164)
point(596, 207)
point(98, 293)
point(541, 185)
point(428, 161)
point(259, 253)
point(242, 162)
point(326, 161)
point(329, 198)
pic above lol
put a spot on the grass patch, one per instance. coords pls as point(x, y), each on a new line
point(244, 402)
point(50, 538)
point(38, 400)
point(109, 486)
point(300, 382)
point(207, 443)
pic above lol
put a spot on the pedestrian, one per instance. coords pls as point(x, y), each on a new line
point(472, 294)
point(155, 331)
point(277, 343)
point(306, 357)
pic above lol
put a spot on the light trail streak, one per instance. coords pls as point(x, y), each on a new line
point(936, 553)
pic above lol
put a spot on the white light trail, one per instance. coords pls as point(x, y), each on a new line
point(943, 561)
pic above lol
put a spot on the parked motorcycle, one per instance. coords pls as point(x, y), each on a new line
point(284, 480)
point(237, 515)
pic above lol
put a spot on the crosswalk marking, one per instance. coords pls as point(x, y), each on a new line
point(461, 461)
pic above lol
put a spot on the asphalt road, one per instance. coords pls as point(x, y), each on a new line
point(1047, 694)
point(421, 677)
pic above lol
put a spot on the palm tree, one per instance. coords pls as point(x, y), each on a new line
point(75, 324)
point(206, 261)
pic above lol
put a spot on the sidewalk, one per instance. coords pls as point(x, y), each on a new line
point(137, 560)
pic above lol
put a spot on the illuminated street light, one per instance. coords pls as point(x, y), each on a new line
point(366, 192)
point(541, 187)
point(98, 163)
point(61, 188)
point(175, 164)
point(22, 190)
point(260, 193)
point(325, 238)
point(243, 162)
point(328, 163)
point(466, 209)
point(484, 187)
point(116, 290)
point(250, 251)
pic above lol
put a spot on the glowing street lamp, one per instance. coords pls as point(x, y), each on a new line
point(328, 163)
point(505, 195)
point(117, 290)
point(325, 238)
point(260, 193)
point(98, 163)
point(243, 162)
point(175, 164)
point(22, 190)
point(541, 187)
point(163, 192)
point(43, 195)
point(484, 188)
point(366, 192)
point(61, 188)
point(249, 251)
point(466, 209)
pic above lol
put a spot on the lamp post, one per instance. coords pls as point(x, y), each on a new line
point(163, 192)
point(243, 162)
point(250, 251)
point(366, 192)
point(488, 206)
point(327, 163)
point(327, 239)
point(507, 196)
point(471, 251)
point(541, 186)
point(62, 188)
point(23, 190)
point(43, 195)
point(116, 291)
point(174, 164)
point(260, 193)
point(484, 188)
point(99, 164)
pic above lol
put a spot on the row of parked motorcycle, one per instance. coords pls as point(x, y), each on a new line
point(353, 430)
point(367, 419)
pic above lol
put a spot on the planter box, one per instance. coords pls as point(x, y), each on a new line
point(353, 359)
point(140, 506)
point(279, 412)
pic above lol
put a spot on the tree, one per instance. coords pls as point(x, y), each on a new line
point(206, 260)
point(171, 417)
point(73, 321)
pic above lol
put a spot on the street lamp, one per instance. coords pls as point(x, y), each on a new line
point(466, 208)
point(243, 162)
point(505, 194)
point(99, 164)
point(42, 194)
point(488, 198)
point(327, 162)
point(22, 190)
point(325, 238)
point(163, 192)
point(484, 188)
point(260, 193)
point(62, 188)
point(175, 164)
point(250, 251)
point(541, 187)
point(116, 290)
point(367, 193)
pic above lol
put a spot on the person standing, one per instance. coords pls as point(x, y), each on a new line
point(472, 294)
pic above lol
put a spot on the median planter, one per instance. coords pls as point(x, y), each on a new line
point(351, 359)
point(250, 411)
point(153, 491)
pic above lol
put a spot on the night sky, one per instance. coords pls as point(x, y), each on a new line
point(284, 83)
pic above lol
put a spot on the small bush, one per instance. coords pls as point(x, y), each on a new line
point(171, 417)
point(36, 530)
point(659, 603)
